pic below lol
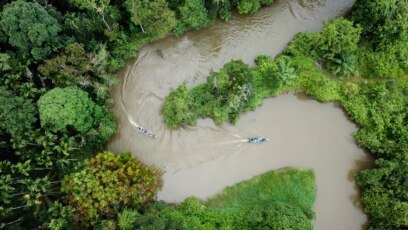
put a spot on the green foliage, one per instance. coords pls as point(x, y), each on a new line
point(389, 62)
point(335, 46)
point(100, 7)
point(385, 193)
point(248, 6)
point(16, 113)
point(127, 219)
point(153, 17)
point(304, 44)
point(177, 108)
point(290, 186)
point(251, 6)
point(320, 87)
point(225, 95)
point(383, 21)
point(337, 37)
point(76, 67)
point(30, 29)
point(191, 14)
point(68, 68)
point(343, 65)
point(275, 216)
point(233, 90)
point(106, 184)
point(63, 107)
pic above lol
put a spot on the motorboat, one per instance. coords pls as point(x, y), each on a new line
point(257, 139)
point(145, 131)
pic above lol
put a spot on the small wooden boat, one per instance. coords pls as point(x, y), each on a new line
point(257, 139)
point(145, 131)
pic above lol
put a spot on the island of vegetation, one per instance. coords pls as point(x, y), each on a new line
point(57, 60)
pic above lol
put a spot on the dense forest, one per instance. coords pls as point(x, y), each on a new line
point(57, 60)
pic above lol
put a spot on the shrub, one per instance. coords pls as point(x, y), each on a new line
point(337, 44)
point(304, 44)
point(320, 87)
point(127, 219)
point(343, 64)
point(337, 37)
point(274, 216)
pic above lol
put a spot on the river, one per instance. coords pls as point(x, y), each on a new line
point(203, 159)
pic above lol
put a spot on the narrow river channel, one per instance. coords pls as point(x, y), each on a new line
point(203, 159)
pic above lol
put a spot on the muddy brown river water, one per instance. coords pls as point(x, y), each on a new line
point(203, 159)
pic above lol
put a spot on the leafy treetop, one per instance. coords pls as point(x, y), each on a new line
point(30, 29)
point(63, 107)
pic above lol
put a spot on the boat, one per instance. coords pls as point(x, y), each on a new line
point(145, 131)
point(257, 139)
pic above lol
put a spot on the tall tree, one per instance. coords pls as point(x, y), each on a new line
point(99, 6)
point(63, 107)
point(106, 184)
point(30, 29)
point(383, 21)
point(192, 14)
point(16, 113)
point(153, 17)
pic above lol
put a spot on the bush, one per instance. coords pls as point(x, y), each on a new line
point(127, 219)
point(320, 87)
point(337, 44)
point(337, 37)
point(304, 44)
point(106, 184)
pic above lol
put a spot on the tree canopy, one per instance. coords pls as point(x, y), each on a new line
point(106, 184)
point(16, 113)
point(61, 108)
point(30, 29)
